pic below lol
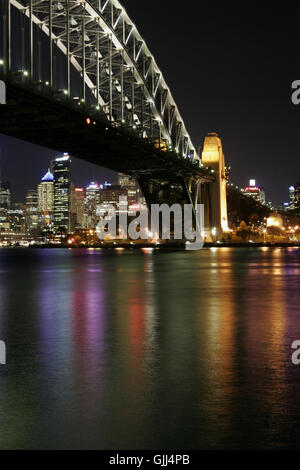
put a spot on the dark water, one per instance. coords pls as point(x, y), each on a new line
point(140, 349)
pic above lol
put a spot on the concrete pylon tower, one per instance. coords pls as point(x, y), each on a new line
point(213, 156)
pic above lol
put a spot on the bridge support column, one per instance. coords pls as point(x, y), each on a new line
point(205, 198)
point(178, 191)
point(215, 200)
point(164, 191)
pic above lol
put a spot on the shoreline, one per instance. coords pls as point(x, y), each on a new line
point(162, 246)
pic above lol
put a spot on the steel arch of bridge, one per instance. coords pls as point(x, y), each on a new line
point(117, 73)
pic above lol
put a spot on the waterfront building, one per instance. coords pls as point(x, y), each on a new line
point(285, 206)
point(17, 218)
point(275, 221)
point(255, 192)
point(130, 185)
point(125, 180)
point(297, 197)
point(62, 192)
point(4, 220)
point(5, 195)
point(45, 192)
point(292, 197)
point(92, 192)
point(111, 195)
point(32, 211)
point(78, 208)
point(91, 201)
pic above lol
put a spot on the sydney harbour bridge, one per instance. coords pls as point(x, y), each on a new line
point(80, 78)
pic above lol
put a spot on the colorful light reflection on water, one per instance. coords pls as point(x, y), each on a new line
point(149, 349)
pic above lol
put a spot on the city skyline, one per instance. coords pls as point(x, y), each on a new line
point(58, 211)
point(57, 206)
point(38, 159)
point(83, 173)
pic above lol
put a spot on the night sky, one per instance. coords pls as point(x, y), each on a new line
point(230, 71)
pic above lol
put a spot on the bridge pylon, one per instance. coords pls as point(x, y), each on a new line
point(214, 195)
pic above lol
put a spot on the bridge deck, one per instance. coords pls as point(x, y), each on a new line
point(59, 125)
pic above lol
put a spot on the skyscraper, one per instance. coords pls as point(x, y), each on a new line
point(297, 197)
point(4, 202)
point(292, 197)
point(78, 207)
point(92, 199)
point(17, 218)
point(125, 180)
point(92, 192)
point(62, 192)
point(111, 195)
point(45, 192)
point(130, 185)
point(5, 196)
point(255, 192)
point(32, 210)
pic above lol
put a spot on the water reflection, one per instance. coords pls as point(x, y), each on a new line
point(149, 349)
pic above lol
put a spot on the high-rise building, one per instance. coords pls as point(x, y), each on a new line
point(45, 192)
point(32, 210)
point(5, 195)
point(125, 180)
point(130, 185)
point(111, 195)
point(255, 192)
point(92, 192)
point(78, 207)
point(91, 201)
point(17, 218)
point(297, 197)
point(5, 204)
point(292, 197)
point(4, 220)
point(62, 192)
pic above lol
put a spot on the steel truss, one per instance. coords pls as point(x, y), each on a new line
point(116, 71)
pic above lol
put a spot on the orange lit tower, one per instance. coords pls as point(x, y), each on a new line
point(213, 157)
